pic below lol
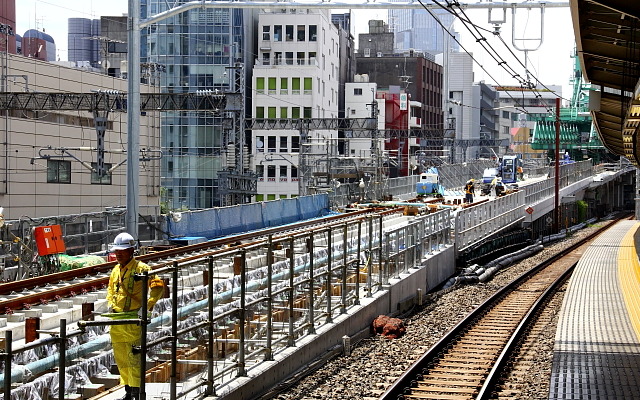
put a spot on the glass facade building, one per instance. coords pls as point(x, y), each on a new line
point(196, 49)
point(418, 30)
point(81, 46)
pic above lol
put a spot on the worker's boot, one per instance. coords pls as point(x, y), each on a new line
point(135, 393)
point(127, 390)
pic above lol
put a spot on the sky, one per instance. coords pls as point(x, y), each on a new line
point(551, 63)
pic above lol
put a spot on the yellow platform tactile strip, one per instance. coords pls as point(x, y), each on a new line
point(629, 274)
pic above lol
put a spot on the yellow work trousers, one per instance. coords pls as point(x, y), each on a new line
point(123, 338)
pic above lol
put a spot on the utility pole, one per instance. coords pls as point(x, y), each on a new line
point(133, 117)
point(556, 209)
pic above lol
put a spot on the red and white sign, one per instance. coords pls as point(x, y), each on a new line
point(529, 210)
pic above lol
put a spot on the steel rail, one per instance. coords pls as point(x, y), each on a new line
point(409, 378)
point(185, 253)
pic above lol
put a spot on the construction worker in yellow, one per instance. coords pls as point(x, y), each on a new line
point(124, 297)
point(469, 191)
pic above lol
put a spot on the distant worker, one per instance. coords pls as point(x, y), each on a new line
point(469, 190)
point(500, 188)
point(124, 297)
point(520, 172)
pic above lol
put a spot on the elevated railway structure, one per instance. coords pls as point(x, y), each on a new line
point(230, 311)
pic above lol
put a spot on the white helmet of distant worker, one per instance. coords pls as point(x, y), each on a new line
point(123, 241)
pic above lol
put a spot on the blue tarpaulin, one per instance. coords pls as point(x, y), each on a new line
point(217, 222)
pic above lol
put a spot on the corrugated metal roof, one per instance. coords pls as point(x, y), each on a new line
point(608, 45)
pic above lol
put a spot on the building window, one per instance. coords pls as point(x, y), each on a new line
point(260, 85)
point(58, 171)
point(313, 33)
point(272, 112)
point(271, 197)
point(271, 172)
point(277, 33)
point(272, 85)
point(357, 91)
point(284, 144)
point(294, 172)
point(308, 85)
point(283, 172)
point(260, 171)
point(271, 144)
point(505, 114)
point(308, 112)
point(260, 144)
point(284, 86)
point(101, 180)
point(266, 32)
point(259, 112)
point(302, 33)
point(260, 197)
point(283, 112)
point(295, 85)
point(289, 33)
point(288, 57)
point(295, 145)
point(295, 112)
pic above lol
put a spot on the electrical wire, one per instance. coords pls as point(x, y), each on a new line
point(465, 50)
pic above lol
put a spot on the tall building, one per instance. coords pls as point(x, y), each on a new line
point(114, 45)
point(8, 25)
point(416, 29)
point(460, 112)
point(82, 41)
point(412, 73)
point(201, 49)
point(296, 76)
point(39, 45)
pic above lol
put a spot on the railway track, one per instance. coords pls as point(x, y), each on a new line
point(43, 289)
point(468, 361)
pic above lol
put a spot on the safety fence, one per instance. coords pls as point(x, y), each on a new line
point(83, 234)
point(476, 223)
point(239, 308)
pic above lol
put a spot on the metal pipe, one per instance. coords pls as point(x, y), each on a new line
point(269, 350)
point(243, 314)
point(291, 341)
point(329, 269)
point(343, 297)
point(357, 264)
point(8, 337)
point(62, 361)
point(133, 121)
point(174, 332)
point(143, 335)
point(210, 351)
point(312, 322)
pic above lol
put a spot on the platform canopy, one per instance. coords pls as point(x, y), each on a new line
point(608, 45)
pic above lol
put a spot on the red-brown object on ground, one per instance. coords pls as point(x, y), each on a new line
point(391, 328)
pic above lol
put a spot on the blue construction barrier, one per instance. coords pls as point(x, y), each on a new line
point(216, 222)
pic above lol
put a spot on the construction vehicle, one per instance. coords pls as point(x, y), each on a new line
point(509, 168)
point(429, 184)
point(487, 178)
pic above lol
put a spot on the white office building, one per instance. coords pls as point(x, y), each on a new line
point(295, 76)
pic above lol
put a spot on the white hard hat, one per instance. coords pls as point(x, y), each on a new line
point(123, 241)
